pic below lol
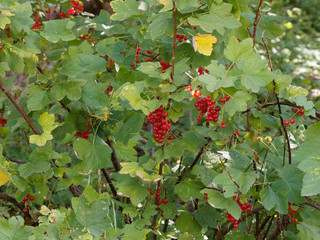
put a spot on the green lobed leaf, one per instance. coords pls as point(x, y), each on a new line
point(124, 9)
point(188, 189)
point(60, 29)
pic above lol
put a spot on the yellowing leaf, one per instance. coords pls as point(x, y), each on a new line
point(167, 5)
point(3, 178)
point(203, 43)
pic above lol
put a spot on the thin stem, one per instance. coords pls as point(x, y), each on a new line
point(15, 160)
point(114, 157)
point(19, 108)
point(154, 223)
point(311, 204)
point(109, 181)
point(231, 177)
point(279, 107)
point(174, 39)
point(255, 24)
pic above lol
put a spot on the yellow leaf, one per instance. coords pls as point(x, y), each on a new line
point(203, 43)
point(3, 178)
point(167, 5)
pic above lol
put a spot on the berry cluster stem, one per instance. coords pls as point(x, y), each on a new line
point(174, 38)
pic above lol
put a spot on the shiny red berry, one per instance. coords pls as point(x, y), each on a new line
point(138, 49)
point(159, 188)
point(132, 64)
point(292, 121)
point(25, 210)
point(137, 60)
point(286, 122)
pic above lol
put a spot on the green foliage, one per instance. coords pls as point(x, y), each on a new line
point(125, 147)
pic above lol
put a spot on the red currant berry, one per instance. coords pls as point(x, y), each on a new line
point(23, 202)
point(158, 194)
point(195, 28)
point(25, 199)
point(237, 132)
point(292, 121)
point(301, 111)
point(1, 47)
point(286, 122)
point(151, 193)
point(136, 56)
point(199, 118)
point(149, 189)
point(9, 35)
point(227, 97)
point(207, 71)
point(235, 225)
point(185, 38)
point(296, 110)
point(159, 188)
point(137, 60)
point(25, 210)
point(161, 215)
point(138, 49)
point(223, 100)
point(165, 201)
point(31, 198)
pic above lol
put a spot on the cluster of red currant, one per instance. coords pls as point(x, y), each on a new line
point(159, 201)
point(201, 70)
point(84, 134)
point(37, 23)
point(48, 12)
point(195, 93)
point(297, 111)
point(138, 49)
point(161, 124)
point(3, 121)
point(205, 105)
point(26, 199)
point(164, 66)
point(232, 219)
point(244, 207)
point(109, 89)
point(224, 100)
point(206, 198)
point(192, 26)
point(292, 213)
point(76, 5)
point(181, 37)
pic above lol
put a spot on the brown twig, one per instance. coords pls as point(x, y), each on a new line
point(109, 181)
point(114, 157)
point(255, 24)
point(268, 228)
point(311, 204)
point(231, 177)
point(280, 227)
point(15, 160)
point(19, 108)
point(154, 223)
point(174, 39)
point(12, 200)
point(279, 106)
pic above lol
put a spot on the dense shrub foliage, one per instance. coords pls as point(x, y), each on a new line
point(163, 119)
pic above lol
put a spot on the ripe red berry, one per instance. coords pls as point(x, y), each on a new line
point(286, 122)
point(138, 49)
point(161, 215)
point(301, 111)
point(8, 28)
point(165, 201)
point(158, 194)
point(185, 38)
point(9, 35)
point(1, 47)
point(295, 220)
point(136, 56)
point(223, 100)
point(199, 118)
point(195, 28)
point(227, 97)
point(31, 198)
point(207, 71)
point(23, 202)
point(88, 124)
point(71, 11)
point(235, 225)
point(296, 110)
point(149, 52)
point(292, 121)
point(223, 126)
point(25, 199)
point(237, 132)
point(151, 193)
point(25, 210)
point(149, 189)
point(159, 188)
point(137, 60)
point(132, 64)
